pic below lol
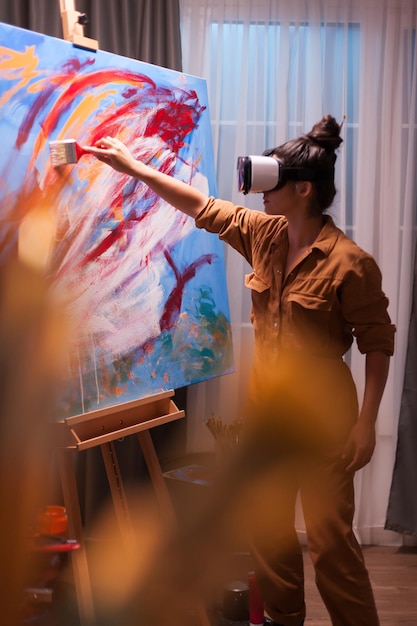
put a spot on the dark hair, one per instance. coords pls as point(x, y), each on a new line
point(315, 150)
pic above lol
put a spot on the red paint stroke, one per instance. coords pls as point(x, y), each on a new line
point(75, 65)
point(95, 79)
point(64, 102)
point(39, 104)
point(171, 122)
point(115, 235)
point(173, 303)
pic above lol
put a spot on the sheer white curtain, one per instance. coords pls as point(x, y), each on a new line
point(273, 68)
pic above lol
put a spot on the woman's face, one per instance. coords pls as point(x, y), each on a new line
point(281, 201)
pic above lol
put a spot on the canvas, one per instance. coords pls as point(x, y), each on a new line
point(143, 287)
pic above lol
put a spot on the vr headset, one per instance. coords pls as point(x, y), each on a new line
point(265, 173)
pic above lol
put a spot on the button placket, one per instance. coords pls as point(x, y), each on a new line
point(278, 271)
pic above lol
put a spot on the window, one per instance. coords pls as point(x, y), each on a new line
point(264, 74)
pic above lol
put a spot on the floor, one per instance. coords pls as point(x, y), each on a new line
point(393, 573)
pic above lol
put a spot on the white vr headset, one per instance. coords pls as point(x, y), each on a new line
point(265, 173)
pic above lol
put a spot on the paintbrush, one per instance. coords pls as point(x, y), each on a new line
point(65, 151)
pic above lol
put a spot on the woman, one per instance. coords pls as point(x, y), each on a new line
point(313, 292)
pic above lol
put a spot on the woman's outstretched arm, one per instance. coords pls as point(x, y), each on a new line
point(114, 152)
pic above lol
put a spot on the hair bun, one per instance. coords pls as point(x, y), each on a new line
point(326, 133)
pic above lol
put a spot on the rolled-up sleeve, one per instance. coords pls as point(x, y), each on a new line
point(365, 307)
point(233, 224)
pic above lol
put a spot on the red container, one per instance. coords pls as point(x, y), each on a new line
point(52, 521)
point(256, 603)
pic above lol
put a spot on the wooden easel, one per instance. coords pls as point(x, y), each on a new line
point(101, 428)
point(73, 26)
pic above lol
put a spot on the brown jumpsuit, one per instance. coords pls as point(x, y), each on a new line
point(303, 391)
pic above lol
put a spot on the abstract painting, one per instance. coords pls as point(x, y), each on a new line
point(145, 289)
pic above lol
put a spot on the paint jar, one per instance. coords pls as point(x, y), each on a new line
point(236, 601)
point(52, 521)
point(256, 603)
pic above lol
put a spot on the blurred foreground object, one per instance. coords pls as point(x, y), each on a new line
point(31, 336)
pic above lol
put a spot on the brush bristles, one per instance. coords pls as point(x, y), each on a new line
point(63, 152)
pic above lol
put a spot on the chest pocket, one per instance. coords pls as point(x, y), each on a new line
point(308, 316)
point(310, 301)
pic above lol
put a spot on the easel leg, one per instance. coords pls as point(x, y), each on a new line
point(78, 557)
point(118, 493)
point(157, 477)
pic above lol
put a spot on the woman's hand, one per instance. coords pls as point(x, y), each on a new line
point(361, 442)
point(112, 151)
point(360, 445)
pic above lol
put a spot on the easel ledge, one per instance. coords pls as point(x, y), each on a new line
point(101, 426)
